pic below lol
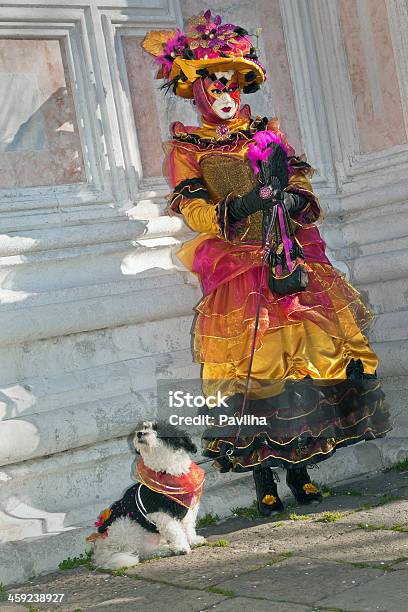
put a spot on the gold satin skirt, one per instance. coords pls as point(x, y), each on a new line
point(291, 352)
point(317, 390)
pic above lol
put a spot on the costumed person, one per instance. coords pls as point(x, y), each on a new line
point(279, 330)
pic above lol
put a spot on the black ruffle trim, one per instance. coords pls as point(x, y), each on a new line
point(192, 188)
point(305, 423)
point(258, 125)
point(229, 231)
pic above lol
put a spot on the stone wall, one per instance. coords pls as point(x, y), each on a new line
point(94, 306)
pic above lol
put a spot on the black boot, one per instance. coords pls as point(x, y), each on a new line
point(267, 491)
point(298, 481)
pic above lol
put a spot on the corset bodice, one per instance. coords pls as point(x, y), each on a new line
point(224, 174)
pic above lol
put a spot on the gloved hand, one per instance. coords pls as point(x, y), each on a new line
point(252, 202)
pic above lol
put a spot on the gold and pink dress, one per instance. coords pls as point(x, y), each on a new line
point(314, 373)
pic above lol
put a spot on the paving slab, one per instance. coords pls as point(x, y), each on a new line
point(260, 605)
point(339, 503)
point(388, 515)
point(297, 562)
point(258, 546)
point(381, 482)
point(86, 590)
point(152, 597)
point(388, 593)
point(330, 541)
point(300, 580)
point(206, 566)
point(402, 565)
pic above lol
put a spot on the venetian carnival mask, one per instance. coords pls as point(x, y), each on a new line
point(223, 94)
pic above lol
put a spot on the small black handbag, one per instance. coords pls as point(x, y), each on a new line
point(281, 279)
point(278, 228)
point(296, 280)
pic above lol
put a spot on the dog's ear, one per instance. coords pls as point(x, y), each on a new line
point(188, 444)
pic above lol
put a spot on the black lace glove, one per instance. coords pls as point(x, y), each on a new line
point(252, 202)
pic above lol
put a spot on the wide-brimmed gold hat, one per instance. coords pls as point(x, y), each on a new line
point(242, 66)
point(207, 47)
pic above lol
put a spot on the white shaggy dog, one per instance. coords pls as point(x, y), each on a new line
point(146, 521)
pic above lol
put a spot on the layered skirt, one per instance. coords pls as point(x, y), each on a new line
point(313, 375)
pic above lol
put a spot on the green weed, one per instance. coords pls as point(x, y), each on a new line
point(77, 561)
point(207, 520)
point(330, 517)
point(401, 466)
point(3, 592)
point(221, 591)
point(219, 544)
point(250, 512)
point(299, 517)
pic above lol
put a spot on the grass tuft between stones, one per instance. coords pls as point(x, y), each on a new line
point(281, 557)
point(207, 519)
point(121, 571)
point(329, 492)
point(330, 609)
point(299, 517)
point(85, 560)
point(388, 498)
point(3, 592)
point(218, 544)
point(398, 528)
point(152, 558)
point(351, 492)
point(221, 591)
point(330, 517)
point(401, 466)
point(250, 512)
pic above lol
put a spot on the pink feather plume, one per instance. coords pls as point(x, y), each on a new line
point(261, 151)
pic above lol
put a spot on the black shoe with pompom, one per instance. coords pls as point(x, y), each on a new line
point(304, 491)
point(267, 492)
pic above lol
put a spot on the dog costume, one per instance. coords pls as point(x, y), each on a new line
point(155, 492)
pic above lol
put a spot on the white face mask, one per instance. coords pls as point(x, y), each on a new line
point(224, 106)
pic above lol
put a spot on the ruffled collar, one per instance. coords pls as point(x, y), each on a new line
point(185, 489)
point(242, 127)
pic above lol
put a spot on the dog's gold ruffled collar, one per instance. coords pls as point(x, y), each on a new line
point(186, 489)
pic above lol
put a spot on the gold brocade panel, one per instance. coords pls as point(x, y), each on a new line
point(224, 174)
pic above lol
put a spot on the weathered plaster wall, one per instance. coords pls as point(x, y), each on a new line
point(95, 307)
point(373, 74)
point(40, 142)
point(142, 90)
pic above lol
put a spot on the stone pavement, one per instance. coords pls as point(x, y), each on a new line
point(348, 554)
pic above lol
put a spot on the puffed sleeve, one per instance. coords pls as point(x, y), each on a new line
point(190, 196)
point(299, 182)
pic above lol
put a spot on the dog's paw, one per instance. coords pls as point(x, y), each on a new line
point(185, 550)
point(197, 540)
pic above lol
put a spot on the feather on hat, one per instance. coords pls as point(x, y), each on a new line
point(208, 44)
